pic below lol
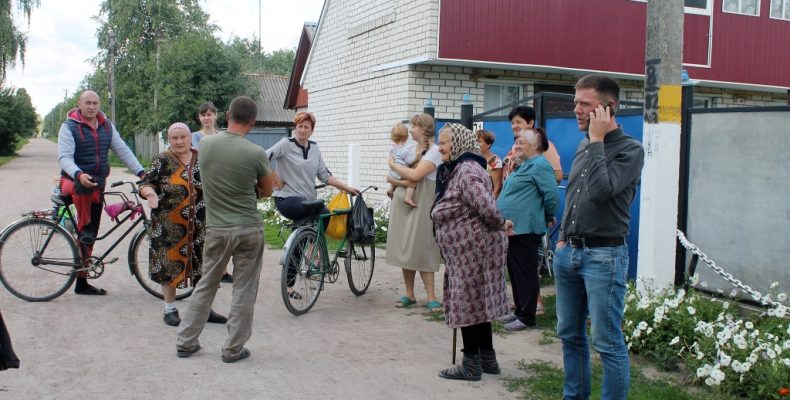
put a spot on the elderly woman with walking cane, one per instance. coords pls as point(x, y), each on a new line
point(471, 235)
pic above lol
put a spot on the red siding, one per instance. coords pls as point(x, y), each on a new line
point(609, 35)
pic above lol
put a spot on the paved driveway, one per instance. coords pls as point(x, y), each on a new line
point(116, 346)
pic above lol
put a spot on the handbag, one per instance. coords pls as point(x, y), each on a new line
point(337, 223)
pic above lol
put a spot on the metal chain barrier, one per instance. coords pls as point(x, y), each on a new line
point(720, 271)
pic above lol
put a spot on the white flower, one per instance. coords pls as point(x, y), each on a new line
point(724, 359)
point(703, 370)
point(774, 285)
point(642, 325)
point(694, 279)
point(786, 362)
point(748, 325)
point(771, 353)
point(786, 345)
point(677, 339)
point(649, 330)
point(780, 311)
point(781, 297)
point(691, 310)
point(725, 305)
point(734, 292)
point(757, 296)
point(700, 355)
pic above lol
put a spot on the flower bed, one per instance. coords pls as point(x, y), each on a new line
point(741, 356)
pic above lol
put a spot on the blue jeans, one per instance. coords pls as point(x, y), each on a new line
point(592, 281)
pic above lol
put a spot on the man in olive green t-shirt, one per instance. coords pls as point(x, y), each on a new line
point(233, 170)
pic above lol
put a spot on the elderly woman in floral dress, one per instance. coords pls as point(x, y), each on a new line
point(173, 190)
point(472, 237)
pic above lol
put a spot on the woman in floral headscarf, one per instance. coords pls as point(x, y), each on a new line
point(472, 237)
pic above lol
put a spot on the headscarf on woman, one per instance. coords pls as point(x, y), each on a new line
point(465, 147)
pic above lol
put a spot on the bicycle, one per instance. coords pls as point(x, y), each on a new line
point(305, 259)
point(40, 256)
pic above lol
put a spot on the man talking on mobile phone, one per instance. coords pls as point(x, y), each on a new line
point(591, 261)
point(84, 141)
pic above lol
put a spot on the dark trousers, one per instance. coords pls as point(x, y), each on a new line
point(477, 337)
point(522, 267)
point(291, 208)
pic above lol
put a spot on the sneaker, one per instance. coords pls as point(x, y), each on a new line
point(507, 318)
point(517, 325)
point(172, 318)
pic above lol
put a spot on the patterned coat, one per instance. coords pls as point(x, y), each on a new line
point(467, 227)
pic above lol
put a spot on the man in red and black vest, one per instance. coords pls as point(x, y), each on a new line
point(84, 141)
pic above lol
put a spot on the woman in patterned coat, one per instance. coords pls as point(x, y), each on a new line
point(472, 237)
point(173, 190)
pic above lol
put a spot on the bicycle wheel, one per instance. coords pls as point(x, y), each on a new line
point(303, 271)
point(31, 271)
point(360, 260)
point(139, 263)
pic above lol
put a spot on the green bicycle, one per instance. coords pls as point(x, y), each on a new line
point(306, 264)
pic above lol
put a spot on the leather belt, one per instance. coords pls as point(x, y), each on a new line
point(576, 241)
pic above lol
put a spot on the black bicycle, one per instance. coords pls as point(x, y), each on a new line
point(40, 256)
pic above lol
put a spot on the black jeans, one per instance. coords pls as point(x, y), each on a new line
point(522, 267)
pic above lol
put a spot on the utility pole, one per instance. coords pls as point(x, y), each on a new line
point(661, 141)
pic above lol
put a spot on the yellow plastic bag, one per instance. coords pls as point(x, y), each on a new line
point(337, 224)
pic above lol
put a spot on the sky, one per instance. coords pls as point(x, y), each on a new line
point(62, 39)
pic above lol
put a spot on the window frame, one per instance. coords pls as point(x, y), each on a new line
point(502, 83)
point(740, 6)
point(694, 10)
point(784, 11)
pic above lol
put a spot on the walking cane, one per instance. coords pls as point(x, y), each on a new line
point(455, 335)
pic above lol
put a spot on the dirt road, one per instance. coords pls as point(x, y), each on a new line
point(116, 346)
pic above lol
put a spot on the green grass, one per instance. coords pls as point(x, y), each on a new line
point(19, 144)
point(115, 162)
point(544, 381)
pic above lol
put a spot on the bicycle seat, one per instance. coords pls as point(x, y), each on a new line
point(61, 199)
point(313, 207)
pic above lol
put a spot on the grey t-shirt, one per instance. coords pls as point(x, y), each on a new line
point(298, 167)
point(230, 167)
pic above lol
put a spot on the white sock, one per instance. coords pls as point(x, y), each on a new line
point(170, 307)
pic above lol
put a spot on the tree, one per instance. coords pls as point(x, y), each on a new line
point(278, 62)
point(166, 62)
point(17, 119)
point(12, 42)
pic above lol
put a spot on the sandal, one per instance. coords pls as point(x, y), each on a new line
point(405, 302)
point(434, 306)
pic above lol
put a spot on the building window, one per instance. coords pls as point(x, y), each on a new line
point(698, 6)
point(745, 7)
point(702, 7)
point(780, 9)
point(498, 95)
